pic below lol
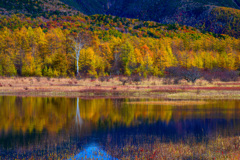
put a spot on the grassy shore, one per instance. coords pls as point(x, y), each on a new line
point(221, 148)
point(153, 88)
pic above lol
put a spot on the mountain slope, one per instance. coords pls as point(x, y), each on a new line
point(153, 9)
point(222, 17)
point(197, 13)
point(35, 8)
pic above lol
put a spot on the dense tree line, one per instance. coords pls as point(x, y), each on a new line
point(112, 45)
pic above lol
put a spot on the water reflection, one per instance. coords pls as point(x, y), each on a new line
point(79, 120)
point(93, 151)
point(33, 125)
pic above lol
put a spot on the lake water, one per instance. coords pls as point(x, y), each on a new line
point(75, 128)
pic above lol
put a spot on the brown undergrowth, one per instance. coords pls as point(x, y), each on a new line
point(154, 87)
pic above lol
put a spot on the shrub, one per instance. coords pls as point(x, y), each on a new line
point(227, 76)
point(191, 74)
point(102, 78)
point(208, 76)
point(92, 77)
point(179, 73)
point(136, 78)
point(221, 74)
point(124, 80)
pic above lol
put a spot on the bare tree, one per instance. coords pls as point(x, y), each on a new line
point(78, 46)
point(178, 73)
point(83, 39)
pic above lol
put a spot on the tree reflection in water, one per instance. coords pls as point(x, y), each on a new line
point(78, 119)
point(60, 124)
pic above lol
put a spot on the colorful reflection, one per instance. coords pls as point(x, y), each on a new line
point(53, 114)
point(46, 124)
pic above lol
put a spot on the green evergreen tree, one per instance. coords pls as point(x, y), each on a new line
point(8, 67)
point(1, 70)
point(50, 72)
point(128, 58)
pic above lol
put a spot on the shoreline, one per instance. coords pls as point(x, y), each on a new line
point(154, 88)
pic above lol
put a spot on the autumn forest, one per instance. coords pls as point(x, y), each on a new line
point(110, 46)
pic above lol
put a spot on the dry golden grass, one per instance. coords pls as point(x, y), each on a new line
point(148, 87)
point(174, 103)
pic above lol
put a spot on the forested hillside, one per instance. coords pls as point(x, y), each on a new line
point(112, 45)
point(220, 16)
point(36, 8)
point(145, 8)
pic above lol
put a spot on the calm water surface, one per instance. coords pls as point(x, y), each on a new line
point(35, 127)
